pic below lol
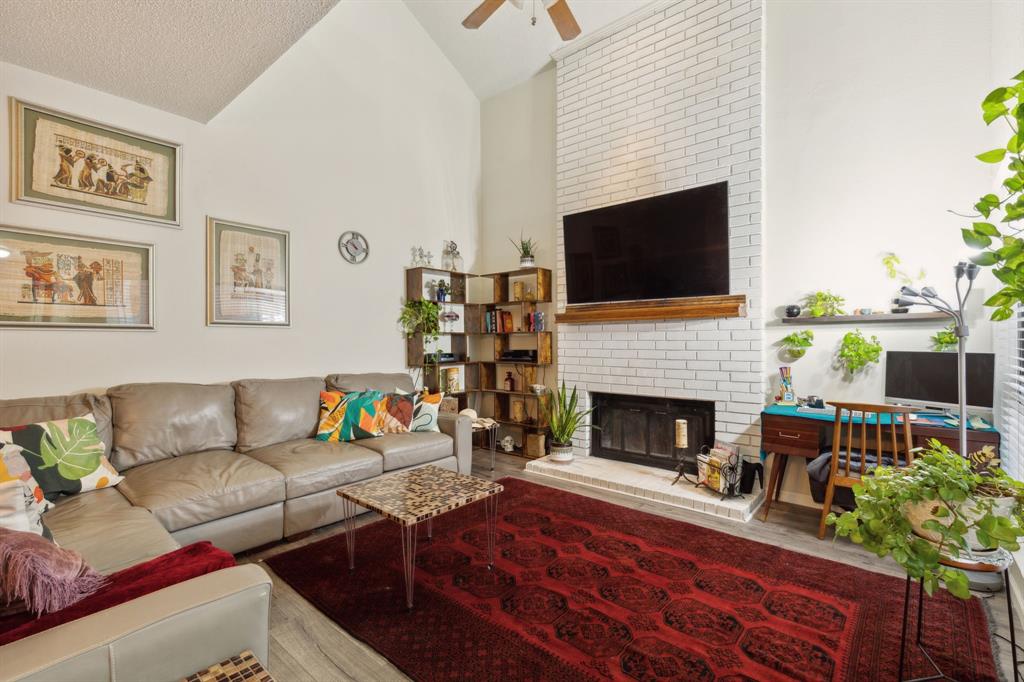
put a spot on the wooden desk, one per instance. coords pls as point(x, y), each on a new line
point(785, 433)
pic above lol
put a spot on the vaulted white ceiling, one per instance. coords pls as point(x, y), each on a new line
point(507, 50)
point(189, 57)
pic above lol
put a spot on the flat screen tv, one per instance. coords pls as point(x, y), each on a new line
point(929, 379)
point(669, 246)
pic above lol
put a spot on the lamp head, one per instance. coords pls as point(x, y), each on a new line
point(909, 291)
point(904, 302)
point(972, 271)
point(929, 292)
point(959, 269)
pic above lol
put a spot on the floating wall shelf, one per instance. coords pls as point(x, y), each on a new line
point(891, 318)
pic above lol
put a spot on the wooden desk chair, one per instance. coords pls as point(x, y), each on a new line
point(877, 443)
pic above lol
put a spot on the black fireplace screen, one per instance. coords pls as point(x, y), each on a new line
point(642, 430)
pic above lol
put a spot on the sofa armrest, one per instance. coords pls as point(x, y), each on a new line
point(159, 637)
point(460, 428)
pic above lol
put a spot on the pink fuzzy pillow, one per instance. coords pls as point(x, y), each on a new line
point(46, 577)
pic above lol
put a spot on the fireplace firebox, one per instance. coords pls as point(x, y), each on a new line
point(641, 429)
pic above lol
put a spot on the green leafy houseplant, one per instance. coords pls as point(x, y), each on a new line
point(563, 417)
point(856, 352)
point(797, 343)
point(421, 316)
point(891, 262)
point(1002, 248)
point(944, 339)
point(960, 502)
point(824, 304)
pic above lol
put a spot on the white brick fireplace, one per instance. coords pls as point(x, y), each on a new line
point(667, 99)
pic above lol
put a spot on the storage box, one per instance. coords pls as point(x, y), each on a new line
point(535, 445)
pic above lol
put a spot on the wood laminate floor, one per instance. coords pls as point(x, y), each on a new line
point(306, 645)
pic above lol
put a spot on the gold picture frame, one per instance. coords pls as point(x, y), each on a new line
point(72, 163)
point(70, 281)
point(247, 275)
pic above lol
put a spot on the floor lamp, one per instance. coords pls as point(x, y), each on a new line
point(928, 297)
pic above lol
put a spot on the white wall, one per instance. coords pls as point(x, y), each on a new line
point(363, 124)
point(872, 122)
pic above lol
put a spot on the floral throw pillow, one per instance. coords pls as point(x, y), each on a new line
point(14, 469)
point(351, 416)
point(65, 456)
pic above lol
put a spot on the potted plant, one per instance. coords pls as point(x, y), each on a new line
point(421, 316)
point(797, 343)
point(857, 352)
point(824, 304)
point(527, 249)
point(1002, 248)
point(563, 420)
point(938, 506)
point(944, 339)
point(891, 262)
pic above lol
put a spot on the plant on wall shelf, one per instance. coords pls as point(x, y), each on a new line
point(961, 506)
point(421, 316)
point(891, 262)
point(945, 339)
point(1002, 248)
point(527, 249)
point(857, 352)
point(797, 343)
point(824, 304)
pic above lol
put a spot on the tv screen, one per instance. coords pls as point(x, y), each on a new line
point(930, 379)
point(668, 246)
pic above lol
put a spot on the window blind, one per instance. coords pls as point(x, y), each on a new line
point(1009, 398)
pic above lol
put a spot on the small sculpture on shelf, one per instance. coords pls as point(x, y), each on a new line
point(451, 259)
point(442, 291)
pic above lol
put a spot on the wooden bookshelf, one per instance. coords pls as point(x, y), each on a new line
point(482, 377)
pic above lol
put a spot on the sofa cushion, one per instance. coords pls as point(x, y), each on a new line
point(372, 381)
point(107, 530)
point(156, 421)
point(401, 450)
point(32, 410)
point(310, 465)
point(191, 489)
point(272, 411)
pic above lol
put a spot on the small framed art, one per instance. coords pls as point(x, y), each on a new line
point(51, 279)
point(247, 275)
point(63, 161)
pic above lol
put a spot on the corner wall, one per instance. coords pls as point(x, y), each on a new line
point(371, 130)
point(667, 99)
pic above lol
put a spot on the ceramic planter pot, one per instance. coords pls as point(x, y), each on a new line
point(561, 453)
point(526, 262)
point(920, 512)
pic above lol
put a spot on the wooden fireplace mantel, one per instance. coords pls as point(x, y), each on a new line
point(733, 305)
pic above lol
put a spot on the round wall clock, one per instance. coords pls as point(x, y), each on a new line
point(353, 247)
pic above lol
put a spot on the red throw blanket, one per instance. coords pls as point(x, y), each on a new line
point(165, 570)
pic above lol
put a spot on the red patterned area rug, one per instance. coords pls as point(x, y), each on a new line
point(584, 590)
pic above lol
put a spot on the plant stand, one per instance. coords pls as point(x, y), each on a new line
point(999, 562)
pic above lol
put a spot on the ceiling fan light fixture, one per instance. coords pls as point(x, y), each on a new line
point(561, 16)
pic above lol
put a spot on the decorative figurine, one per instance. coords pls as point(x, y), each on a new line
point(792, 311)
point(508, 444)
point(442, 291)
point(430, 259)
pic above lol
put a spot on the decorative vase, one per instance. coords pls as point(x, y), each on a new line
point(526, 262)
point(792, 311)
point(561, 453)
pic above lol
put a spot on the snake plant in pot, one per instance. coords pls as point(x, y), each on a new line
point(563, 417)
point(941, 505)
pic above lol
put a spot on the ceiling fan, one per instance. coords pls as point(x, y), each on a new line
point(561, 16)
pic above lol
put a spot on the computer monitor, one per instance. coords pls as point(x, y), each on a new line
point(929, 380)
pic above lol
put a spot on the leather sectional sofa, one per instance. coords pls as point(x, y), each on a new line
point(233, 464)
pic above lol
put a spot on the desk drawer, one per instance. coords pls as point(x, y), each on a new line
point(792, 439)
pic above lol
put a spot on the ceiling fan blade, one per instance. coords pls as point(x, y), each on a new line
point(481, 13)
point(564, 21)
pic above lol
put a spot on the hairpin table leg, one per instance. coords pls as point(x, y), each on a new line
point(491, 510)
point(409, 561)
point(349, 510)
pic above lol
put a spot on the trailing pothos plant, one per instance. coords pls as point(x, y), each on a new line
point(945, 339)
point(857, 351)
point(824, 304)
point(996, 230)
point(420, 316)
point(961, 499)
point(797, 343)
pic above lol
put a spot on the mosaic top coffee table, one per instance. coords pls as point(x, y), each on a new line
point(415, 496)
